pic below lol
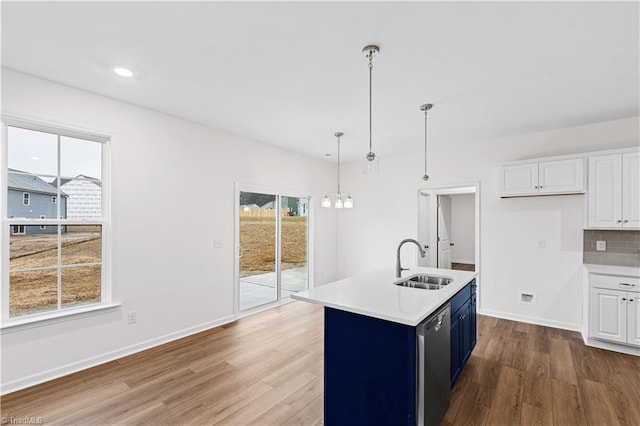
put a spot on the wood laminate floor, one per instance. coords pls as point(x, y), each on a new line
point(267, 370)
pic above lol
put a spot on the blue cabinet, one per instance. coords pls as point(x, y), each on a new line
point(370, 365)
point(369, 371)
point(463, 329)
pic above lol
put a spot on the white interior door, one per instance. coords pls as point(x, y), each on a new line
point(424, 228)
point(444, 231)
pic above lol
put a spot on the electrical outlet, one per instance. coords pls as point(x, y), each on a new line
point(217, 244)
point(542, 243)
point(132, 317)
point(601, 246)
point(527, 298)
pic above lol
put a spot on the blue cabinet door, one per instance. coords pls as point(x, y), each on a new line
point(473, 329)
point(463, 328)
point(369, 371)
point(456, 343)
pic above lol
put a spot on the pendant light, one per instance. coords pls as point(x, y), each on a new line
point(372, 159)
point(340, 200)
point(425, 108)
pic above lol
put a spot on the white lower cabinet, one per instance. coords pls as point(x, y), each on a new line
point(614, 314)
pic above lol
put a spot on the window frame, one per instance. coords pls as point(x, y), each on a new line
point(61, 130)
point(26, 197)
point(54, 199)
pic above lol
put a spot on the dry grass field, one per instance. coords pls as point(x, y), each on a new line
point(33, 291)
point(258, 257)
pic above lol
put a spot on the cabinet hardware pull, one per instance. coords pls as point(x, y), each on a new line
point(624, 300)
point(540, 186)
point(626, 220)
point(619, 221)
point(536, 187)
point(627, 284)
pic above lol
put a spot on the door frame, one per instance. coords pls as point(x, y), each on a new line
point(278, 192)
point(450, 189)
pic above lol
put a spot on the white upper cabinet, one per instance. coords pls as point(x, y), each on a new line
point(543, 178)
point(520, 179)
point(631, 190)
point(562, 176)
point(613, 194)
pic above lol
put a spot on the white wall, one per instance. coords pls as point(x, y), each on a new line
point(463, 233)
point(509, 229)
point(175, 280)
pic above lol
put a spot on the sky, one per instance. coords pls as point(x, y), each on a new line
point(37, 153)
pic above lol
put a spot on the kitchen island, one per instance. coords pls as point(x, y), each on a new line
point(372, 360)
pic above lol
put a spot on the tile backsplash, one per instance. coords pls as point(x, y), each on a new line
point(622, 248)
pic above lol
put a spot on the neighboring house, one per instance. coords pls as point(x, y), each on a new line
point(32, 198)
point(303, 207)
point(85, 197)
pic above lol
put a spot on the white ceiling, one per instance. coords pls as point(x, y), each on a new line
point(291, 74)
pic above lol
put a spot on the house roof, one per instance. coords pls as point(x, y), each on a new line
point(30, 183)
point(64, 181)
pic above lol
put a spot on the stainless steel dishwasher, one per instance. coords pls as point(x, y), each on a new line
point(434, 363)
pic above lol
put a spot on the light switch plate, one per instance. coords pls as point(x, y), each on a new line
point(601, 246)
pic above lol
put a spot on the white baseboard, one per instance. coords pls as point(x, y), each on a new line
point(609, 346)
point(74, 367)
point(531, 320)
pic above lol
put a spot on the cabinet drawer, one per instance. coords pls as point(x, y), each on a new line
point(614, 282)
point(460, 298)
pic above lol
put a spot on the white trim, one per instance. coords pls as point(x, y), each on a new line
point(601, 344)
point(53, 317)
point(278, 192)
point(453, 188)
point(74, 367)
point(48, 125)
point(531, 320)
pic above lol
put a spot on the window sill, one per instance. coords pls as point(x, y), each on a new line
point(39, 320)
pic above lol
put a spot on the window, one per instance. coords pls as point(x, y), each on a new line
point(54, 264)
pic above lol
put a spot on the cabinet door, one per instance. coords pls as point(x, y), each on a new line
point(633, 319)
point(456, 343)
point(465, 331)
point(605, 191)
point(520, 179)
point(631, 190)
point(473, 326)
point(562, 176)
point(608, 315)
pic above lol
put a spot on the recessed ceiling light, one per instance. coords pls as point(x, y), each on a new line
point(123, 72)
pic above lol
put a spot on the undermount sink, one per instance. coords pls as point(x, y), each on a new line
point(425, 282)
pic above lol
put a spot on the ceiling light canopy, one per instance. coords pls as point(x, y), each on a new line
point(340, 200)
point(123, 72)
point(372, 167)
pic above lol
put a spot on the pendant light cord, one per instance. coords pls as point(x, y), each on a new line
point(370, 102)
point(425, 108)
point(425, 142)
point(339, 194)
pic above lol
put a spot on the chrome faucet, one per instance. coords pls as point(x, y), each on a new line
point(399, 268)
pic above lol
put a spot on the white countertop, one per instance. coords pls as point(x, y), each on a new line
point(375, 294)
point(613, 270)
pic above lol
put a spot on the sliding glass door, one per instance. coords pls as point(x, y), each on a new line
point(272, 236)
